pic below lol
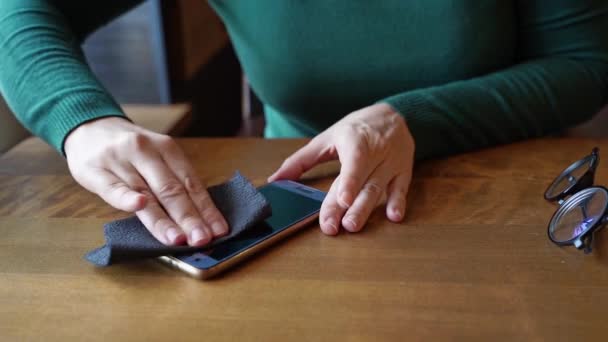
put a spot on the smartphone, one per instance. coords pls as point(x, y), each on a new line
point(294, 206)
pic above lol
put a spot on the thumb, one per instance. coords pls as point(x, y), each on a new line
point(304, 159)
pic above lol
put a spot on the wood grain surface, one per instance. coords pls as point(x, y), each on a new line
point(471, 261)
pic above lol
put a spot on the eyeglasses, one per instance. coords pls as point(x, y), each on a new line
point(582, 206)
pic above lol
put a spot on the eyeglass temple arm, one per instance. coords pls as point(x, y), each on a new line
point(588, 243)
point(595, 161)
point(585, 243)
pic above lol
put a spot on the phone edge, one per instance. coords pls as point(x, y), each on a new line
point(203, 274)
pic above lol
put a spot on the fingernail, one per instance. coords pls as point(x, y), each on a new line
point(333, 227)
point(350, 224)
point(197, 236)
point(397, 213)
point(218, 229)
point(173, 234)
point(346, 199)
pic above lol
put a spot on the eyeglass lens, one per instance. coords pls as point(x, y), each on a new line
point(570, 179)
point(580, 216)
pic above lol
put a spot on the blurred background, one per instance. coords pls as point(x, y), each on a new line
point(162, 53)
point(167, 52)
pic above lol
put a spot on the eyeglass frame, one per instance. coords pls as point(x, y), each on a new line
point(571, 194)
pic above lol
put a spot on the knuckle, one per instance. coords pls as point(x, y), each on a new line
point(115, 188)
point(353, 222)
point(203, 201)
point(137, 141)
point(139, 186)
point(330, 207)
point(148, 194)
point(194, 185)
point(362, 127)
point(170, 190)
point(355, 217)
point(162, 225)
point(112, 191)
point(328, 212)
point(373, 188)
point(210, 214)
point(165, 141)
point(189, 220)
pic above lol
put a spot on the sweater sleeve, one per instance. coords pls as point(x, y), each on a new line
point(44, 76)
point(560, 79)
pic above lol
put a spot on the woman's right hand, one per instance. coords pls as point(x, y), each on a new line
point(140, 171)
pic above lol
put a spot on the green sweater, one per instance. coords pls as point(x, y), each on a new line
point(465, 74)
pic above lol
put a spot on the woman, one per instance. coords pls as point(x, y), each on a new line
point(370, 80)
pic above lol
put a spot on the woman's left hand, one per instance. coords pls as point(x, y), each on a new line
point(376, 152)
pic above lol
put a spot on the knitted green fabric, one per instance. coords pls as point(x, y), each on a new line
point(464, 74)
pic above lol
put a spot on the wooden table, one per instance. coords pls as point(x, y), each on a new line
point(471, 260)
point(167, 119)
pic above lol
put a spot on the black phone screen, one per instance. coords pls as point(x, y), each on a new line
point(288, 208)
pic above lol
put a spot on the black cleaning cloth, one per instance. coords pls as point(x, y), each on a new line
point(128, 240)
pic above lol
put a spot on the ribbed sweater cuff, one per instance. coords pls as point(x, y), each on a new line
point(419, 115)
point(74, 110)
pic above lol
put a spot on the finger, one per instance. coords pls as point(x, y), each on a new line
point(397, 197)
point(160, 225)
point(331, 213)
point(173, 197)
point(114, 191)
point(304, 159)
point(153, 216)
point(211, 216)
point(367, 199)
point(206, 208)
point(357, 165)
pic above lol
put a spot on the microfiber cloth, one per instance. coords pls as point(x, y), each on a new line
point(128, 239)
